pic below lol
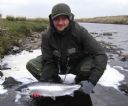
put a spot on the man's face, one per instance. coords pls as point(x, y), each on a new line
point(60, 23)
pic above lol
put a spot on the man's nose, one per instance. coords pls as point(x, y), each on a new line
point(60, 21)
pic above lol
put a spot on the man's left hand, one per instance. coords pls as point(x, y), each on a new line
point(87, 87)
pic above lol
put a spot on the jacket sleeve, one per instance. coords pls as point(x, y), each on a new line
point(49, 67)
point(100, 58)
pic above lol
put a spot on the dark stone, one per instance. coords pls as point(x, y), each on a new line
point(1, 74)
point(10, 82)
point(14, 50)
point(124, 88)
point(123, 59)
point(107, 34)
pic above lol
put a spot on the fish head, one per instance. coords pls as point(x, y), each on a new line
point(23, 90)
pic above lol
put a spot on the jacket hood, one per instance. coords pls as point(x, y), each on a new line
point(61, 9)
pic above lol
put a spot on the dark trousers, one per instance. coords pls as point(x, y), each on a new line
point(82, 70)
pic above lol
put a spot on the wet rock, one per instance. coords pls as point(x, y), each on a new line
point(93, 33)
point(123, 56)
point(110, 56)
point(124, 88)
point(10, 82)
point(32, 42)
point(4, 67)
point(14, 50)
point(107, 34)
point(1, 74)
point(110, 48)
point(123, 59)
point(35, 35)
point(110, 38)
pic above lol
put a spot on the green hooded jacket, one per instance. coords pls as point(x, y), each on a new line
point(70, 46)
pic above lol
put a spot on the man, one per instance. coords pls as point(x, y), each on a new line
point(67, 47)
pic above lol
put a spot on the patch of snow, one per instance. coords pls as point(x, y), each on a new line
point(2, 90)
point(18, 64)
point(111, 77)
point(18, 67)
point(68, 79)
point(118, 67)
point(17, 98)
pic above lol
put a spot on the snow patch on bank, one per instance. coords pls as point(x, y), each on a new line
point(111, 77)
point(2, 90)
point(17, 63)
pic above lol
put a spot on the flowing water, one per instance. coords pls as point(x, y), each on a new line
point(119, 33)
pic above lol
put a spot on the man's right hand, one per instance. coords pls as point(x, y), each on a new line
point(87, 87)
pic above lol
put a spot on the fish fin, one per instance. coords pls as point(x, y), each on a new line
point(72, 94)
point(53, 97)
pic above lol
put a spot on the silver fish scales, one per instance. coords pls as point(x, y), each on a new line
point(46, 89)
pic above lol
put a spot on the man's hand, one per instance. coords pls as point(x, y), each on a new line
point(87, 87)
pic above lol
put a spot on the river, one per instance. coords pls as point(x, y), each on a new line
point(119, 33)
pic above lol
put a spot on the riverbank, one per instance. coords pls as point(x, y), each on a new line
point(13, 33)
point(106, 20)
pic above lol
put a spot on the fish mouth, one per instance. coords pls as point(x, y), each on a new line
point(21, 88)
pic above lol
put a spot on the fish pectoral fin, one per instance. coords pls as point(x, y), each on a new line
point(53, 97)
point(72, 94)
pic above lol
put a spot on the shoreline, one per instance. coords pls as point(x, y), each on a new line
point(121, 19)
